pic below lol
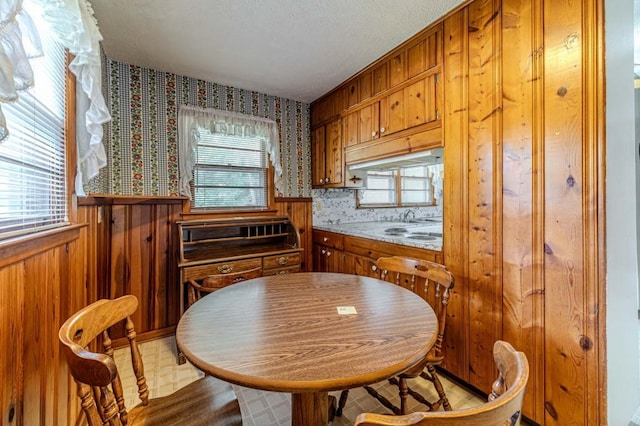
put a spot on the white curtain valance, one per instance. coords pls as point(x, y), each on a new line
point(19, 41)
point(75, 27)
point(190, 118)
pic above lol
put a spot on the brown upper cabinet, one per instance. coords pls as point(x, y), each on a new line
point(327, 153)
point(398, 92)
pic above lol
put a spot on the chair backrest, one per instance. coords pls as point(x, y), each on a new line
point(429, 280)
point(96, 374)
point(504, 406)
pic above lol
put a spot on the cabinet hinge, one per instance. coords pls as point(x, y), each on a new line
point(437, 114)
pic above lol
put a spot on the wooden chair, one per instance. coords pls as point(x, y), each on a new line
point(433, 282)
point(204, 402)
point(504, 406)
point(208, 283)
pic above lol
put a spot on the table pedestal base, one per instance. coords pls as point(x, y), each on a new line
point(312, 409)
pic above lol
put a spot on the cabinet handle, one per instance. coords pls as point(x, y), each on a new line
point(382, 129)
point(327, 180)
point(283, 260)
point(321, 180)
point(374, 268)
point(325, 239)
point(328, 253)
point(225, 269)
point(323, 251)
point(373, 134)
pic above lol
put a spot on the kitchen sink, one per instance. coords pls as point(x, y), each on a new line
point(395, 231)
point(421, 237)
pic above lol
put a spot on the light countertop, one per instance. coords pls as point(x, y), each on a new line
point(421, 234)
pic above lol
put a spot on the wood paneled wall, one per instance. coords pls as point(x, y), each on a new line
point(37, 294)
point(300, 211)
point(135, 247)
point(524, 229)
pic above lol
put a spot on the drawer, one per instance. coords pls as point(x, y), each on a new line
point(368, 248)
point(328, 239)
point(200, 271)
point(282, 260)
point(217, 281)
point(286, 270)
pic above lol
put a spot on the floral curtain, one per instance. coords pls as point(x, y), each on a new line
point(227, 123)
point(74, 26)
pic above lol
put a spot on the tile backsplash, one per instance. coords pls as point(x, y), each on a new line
point(335, 206)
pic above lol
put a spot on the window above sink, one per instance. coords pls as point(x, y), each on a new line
point(407, 181)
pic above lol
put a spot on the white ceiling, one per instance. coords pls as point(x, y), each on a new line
point(297, 49)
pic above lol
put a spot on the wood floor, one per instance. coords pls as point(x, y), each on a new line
point(260, 408)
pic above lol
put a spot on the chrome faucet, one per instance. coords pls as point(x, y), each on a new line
point(406, 215)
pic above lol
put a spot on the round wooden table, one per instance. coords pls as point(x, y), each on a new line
point(295, 333)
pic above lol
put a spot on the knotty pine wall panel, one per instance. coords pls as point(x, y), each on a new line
point(484, 179)
point(523, 198)
point(455, 188)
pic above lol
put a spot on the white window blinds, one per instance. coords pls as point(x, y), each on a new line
point(230, 171)
point(32, 159)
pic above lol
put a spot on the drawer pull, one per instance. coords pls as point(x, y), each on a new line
point(283, 272)
point(283, 260)
point(225, 269)
point(238, 279)
point(325, 239)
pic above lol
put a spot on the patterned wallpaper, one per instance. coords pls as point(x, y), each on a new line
point(141, 140)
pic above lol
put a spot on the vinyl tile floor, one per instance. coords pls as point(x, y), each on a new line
point(261, 408)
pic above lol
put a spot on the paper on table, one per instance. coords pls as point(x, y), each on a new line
point(347, 310)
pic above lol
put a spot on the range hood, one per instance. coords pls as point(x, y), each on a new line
point(432, 156)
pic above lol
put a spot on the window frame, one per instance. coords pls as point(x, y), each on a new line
point(270, 197)
point(397, 174)
point(20, 247)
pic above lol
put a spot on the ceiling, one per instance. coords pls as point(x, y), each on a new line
point(297, 49)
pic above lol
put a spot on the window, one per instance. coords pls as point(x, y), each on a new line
point(230, 171)
point(415, 185)
point(224, 158)
point(33, 189)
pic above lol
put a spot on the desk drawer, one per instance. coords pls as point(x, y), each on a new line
point(217, 281)
point(281, 261)
point(279, 271)
point(200, 271)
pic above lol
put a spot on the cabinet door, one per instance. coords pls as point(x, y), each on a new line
point(333, 153)
point(351, 128)
point(416, 99)
point(359, 265)
point(369, 122)
point(398, 69)
point(392, 113)
point(380, 78)
point(318, 156)
point(327, 259)
point(416, 59)
point(366, 86)
point(353, 95)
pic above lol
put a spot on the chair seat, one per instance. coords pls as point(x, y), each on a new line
point(207, 401)
point(431, 358)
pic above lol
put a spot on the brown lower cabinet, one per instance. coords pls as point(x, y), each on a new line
point(333, 252)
